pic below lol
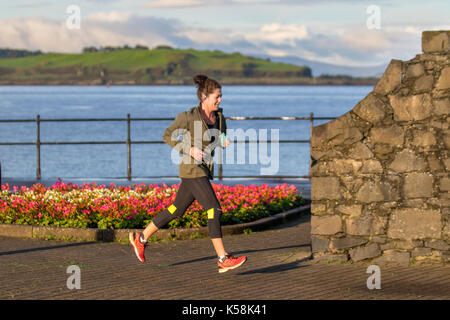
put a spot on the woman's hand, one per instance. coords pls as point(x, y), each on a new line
point(197, 154)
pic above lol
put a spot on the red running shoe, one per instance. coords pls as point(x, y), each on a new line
point(231, 263)
point(137, 245)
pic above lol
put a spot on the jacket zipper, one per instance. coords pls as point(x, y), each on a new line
point(219, 118)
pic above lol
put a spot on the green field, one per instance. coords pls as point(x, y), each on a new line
point(130, 66)
point(161, 65)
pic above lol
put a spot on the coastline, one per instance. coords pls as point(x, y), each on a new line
point(184, 82)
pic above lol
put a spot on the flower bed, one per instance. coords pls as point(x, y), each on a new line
point(99, 206)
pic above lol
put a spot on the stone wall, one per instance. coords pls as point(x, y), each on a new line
point(380, 185)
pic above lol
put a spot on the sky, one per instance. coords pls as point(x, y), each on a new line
point(345, 32)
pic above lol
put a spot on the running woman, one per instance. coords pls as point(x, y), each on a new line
point(202, 128)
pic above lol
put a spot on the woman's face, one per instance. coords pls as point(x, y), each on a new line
point(213, 100)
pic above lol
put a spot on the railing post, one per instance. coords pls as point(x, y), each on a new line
point(38, 147)
point(128, 147)
point(310, 137)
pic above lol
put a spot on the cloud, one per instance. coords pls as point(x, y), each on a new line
point(30, 5)
point(349, 45)
point(208, 3)
point(279, 34)
point(175, 3)
point(98, 29)
point(113, 16)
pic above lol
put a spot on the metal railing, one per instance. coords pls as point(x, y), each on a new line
point(38, 143)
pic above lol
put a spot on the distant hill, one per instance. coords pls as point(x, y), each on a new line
point(320, 68)
point(161, 65)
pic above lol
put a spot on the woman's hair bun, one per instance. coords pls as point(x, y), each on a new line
point(200, 80)
point(205, 86)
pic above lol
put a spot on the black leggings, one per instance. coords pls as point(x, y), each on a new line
point(191, 189)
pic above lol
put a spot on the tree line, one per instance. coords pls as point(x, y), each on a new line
point(116, 48)
point(17, 53)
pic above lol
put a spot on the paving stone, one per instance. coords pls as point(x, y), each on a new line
point(278, 268)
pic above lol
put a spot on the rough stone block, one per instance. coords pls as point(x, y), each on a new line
point(447, 164)
point(446, 256)
point(351, 183)
point(372, 166)
point(343, 166)
point(437, 244)
point(441, 107)
point(325, 188)
point(414, 223)
point(393, 135)
point(418, 185)
point(440, 124)
point(373, 191)
point(378, 239)
point(362, 253)
point(424, 83)
point(343, 243)
point(318, 207)
point(435, 164)
point(436, 41)
point(326, 225)
point(391, 78)
point(352, 210)
point(338, 131)
point(320, 244)
point(406, 161)
point(365, 225)
point(444, 184)
point(414, 70)
point(423, 139)
point(387, 246)
point(446, 231)
point(396, 257)
point(443, 82)
point(411, 108)
point(383, 151)
point(447, 138)
point(360, 151)
point(420, 252)
point(404, 244)
point(370, 109)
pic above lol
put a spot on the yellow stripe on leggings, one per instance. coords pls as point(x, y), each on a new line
point(172, 209)
point(210, 213)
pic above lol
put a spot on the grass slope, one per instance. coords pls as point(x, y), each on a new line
point(163, 65)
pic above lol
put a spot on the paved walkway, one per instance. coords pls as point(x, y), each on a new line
point(186, 269)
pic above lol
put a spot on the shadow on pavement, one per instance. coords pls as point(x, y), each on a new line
point(240, 252)
point(47, 248)
point(277, 268)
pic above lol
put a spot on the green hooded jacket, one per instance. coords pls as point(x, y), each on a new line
point(194, 132)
